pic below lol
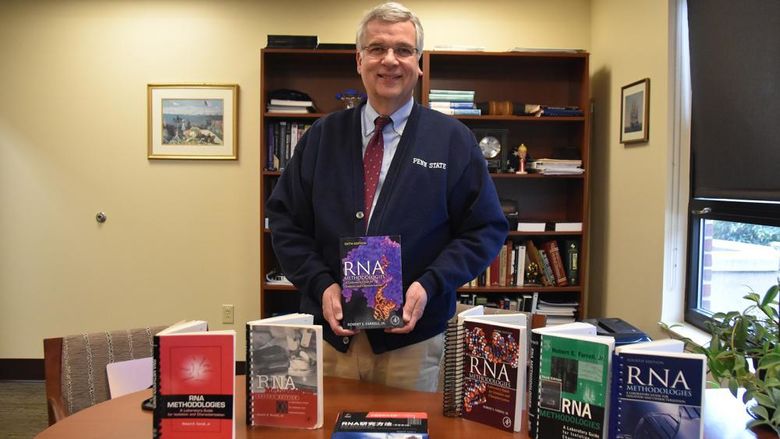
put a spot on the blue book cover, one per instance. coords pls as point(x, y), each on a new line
point(657, 394)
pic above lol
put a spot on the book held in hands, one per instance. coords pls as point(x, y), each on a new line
point(372, 287)
point(194, 384)
point(284, 372)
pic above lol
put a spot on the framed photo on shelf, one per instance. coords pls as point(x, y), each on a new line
point(635, 112)
point(193, 121)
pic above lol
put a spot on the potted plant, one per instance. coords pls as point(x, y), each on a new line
point(744, 353)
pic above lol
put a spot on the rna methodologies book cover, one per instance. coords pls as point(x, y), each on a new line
point(574, 378)
point(657, 391)
point(195, 386)
point(371, 284)
point(284, 372)
point(494, 365)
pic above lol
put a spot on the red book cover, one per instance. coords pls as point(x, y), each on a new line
point(196, 385)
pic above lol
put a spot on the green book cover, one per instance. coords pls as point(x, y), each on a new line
point(573, 387)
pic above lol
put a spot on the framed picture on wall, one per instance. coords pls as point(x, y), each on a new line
point(635, 112)
point(193, 121)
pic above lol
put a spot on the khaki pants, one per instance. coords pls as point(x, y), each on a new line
point(414, 367)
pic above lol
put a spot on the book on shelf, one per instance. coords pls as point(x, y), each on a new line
point(534, 257)
point(568, 227)
point(284, 372)
point(534, 351)
point(286, 109)
point(556, 262)
point(452, 105)
point(572, 252)
point(441, 91)
point(657, 390)
point(371, 282)
point(194, 382)
point(364, 425)
point(572, 390)
point(518, 276)
point(570, 111)
point(291, 103)
point(458, 111)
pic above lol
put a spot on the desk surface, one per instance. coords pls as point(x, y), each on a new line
point(123, 418)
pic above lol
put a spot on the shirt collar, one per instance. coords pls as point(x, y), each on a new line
point(399, 118)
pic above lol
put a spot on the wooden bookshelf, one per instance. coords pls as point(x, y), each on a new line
point(545, 78)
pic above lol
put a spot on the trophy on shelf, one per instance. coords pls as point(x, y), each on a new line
point(522, 155)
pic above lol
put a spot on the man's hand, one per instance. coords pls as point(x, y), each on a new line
point(331, 309)
point(416, 299)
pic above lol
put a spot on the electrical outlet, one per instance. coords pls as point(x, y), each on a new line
point(228, 313)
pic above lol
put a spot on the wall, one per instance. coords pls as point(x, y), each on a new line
point(629, 42)
point(182, 236)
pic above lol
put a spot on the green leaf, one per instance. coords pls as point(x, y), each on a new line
point(770, 295)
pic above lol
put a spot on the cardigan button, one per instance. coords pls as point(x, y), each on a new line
point(359, 215)
point(345, 340)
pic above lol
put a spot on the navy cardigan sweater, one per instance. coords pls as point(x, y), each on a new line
point(438, 196)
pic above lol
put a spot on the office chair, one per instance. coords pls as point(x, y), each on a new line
point(75, 366)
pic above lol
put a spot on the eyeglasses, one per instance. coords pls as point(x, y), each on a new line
point(379, 51)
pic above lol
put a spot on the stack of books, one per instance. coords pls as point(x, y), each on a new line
point(290, 106)
point(556, 167)
point(557, 312)
point(454, 102)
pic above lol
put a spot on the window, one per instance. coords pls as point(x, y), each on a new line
point(734, 204)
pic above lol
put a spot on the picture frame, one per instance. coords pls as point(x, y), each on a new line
point(192, 121)
point(635, 112)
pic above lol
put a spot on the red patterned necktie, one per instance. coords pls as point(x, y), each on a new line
point(372, 162)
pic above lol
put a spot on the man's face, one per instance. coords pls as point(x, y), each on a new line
point(389, 79)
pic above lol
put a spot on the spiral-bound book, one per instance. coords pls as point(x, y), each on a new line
point(494, 366)
point(194, 382)
point(657, 391)
point(284, 372)
point(454, 338)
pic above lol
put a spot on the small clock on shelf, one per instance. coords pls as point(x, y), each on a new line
point(494, 146)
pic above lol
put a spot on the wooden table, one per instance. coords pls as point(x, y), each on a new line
point(123, 418)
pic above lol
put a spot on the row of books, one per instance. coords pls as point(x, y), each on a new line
point(557, 311)
point(282, 138)
point(194, 370)
point(453, 102)
point(519, 264)
point(571, 382)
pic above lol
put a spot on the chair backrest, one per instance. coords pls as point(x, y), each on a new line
point(75, 366)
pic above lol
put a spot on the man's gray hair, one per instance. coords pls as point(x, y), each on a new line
point(391, 12)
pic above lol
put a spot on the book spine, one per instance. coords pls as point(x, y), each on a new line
point(157, 417)
point(453, 370)
point(520, 266)
point(556, 263)
point(533, 382)
point(249, 374)
point(572, 259)
point(617, 384)
point(548, 273)
point(269, 160)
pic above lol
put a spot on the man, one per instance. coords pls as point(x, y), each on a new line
point(433, 190)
